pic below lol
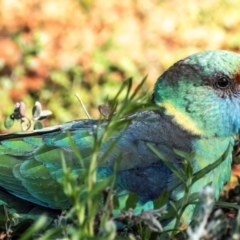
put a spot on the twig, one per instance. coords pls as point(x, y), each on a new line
point(84, 109)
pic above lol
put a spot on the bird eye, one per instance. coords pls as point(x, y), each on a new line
point(222, 82)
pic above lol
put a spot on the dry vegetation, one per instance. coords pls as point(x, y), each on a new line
point(49, 50)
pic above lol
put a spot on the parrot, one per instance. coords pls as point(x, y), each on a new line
point(197, 110)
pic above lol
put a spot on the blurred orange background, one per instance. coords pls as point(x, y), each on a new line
point(50, 50)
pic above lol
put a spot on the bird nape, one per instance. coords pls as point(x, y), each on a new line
point(197, 110)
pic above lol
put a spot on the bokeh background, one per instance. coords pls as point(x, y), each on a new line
point(50, 50)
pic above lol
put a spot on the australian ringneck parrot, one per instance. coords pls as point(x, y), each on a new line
point(198, 110)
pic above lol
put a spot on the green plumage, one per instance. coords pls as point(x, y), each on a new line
point(198, 102)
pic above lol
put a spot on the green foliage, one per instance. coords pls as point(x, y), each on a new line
point(93, 203)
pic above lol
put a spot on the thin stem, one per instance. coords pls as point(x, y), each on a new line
point(84, 109)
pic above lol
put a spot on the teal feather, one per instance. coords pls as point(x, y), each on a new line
point(199, 111)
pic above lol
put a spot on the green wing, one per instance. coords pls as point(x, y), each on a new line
point(31, 163)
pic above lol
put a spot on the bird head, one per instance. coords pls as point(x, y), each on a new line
point(202, 93)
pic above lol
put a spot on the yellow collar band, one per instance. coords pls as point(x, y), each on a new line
point(181, 119)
